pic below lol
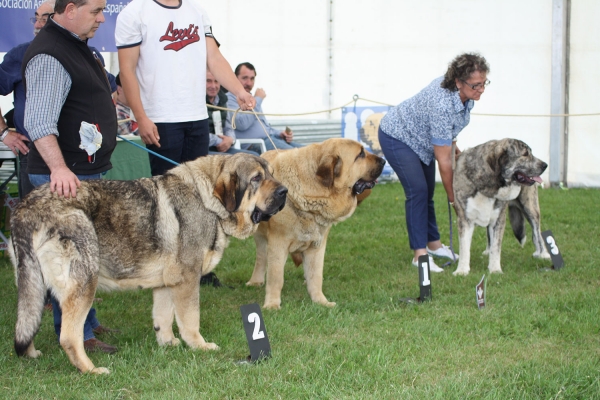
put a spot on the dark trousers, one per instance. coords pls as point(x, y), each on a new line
point(179, 142)
point(23, 183)
point(418, 181)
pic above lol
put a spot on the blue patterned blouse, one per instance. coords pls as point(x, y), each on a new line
point(434, 116)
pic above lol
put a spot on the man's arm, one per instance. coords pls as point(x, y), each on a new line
point(48, 85)
point(443, 155)
point(128, 59)
point(221, 69)
point(13, 140)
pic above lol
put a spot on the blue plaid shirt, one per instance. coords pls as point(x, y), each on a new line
point(433, 117)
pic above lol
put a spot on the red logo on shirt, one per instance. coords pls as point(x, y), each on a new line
point(180, 37)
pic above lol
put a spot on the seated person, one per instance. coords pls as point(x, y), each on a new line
point(220, 143)
point(127, 123)
point(246, 125)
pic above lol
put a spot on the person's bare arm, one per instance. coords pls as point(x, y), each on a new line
point(62, 180)
point(221, 69)
point(443, 155)
point(128, 59)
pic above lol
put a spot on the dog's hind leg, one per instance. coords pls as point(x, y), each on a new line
point(531, 209)
point(260, 265)
point(186, 299)
point(75, 306)
point(496, 233)
point(163, 313)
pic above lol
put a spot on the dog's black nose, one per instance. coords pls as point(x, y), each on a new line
point(381, 161)
point(544, 166)
point(281, 191)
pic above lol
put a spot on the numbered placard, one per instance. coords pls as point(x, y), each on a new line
point(424, 278)
point(480, 293)
point(552, 248)
point(256, 333)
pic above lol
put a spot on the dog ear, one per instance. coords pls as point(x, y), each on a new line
point(329, 168)
point(226, 191)
point(497, 159)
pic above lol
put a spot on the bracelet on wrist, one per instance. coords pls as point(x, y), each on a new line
point(3, 134)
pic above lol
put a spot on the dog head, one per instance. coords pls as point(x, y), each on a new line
point(245, 186)
point(344, 164)
point(513, 161)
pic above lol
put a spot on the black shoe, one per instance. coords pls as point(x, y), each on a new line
point(210, 278)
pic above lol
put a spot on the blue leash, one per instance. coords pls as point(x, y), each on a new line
point(149, 151)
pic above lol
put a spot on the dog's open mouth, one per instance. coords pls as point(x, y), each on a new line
point(259, 215)
point(361, 185)
point(526, 180)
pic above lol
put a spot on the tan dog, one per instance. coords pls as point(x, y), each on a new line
point(323, 181)
point(161, 233)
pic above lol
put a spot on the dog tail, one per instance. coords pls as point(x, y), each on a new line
point(517, 222)
point(31, 291)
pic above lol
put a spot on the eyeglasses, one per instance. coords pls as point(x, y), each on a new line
point(43, 19)
point(478, 86)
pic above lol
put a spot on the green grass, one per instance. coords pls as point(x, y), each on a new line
point(538, 337)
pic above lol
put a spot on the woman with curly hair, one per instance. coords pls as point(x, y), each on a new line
point(418, 132)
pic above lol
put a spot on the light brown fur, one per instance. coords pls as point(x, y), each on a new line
point(323, 181)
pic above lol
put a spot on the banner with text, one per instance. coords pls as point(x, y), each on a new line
point(16, 27)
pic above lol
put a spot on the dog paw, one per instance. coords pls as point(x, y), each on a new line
point(272, 306)
point(543, 256)
point(253, 283)
point(209, 346)
point(99, 371)
point(495, 271)
point(168, 342)
point(461, 272)
point(33, 353)
point(329, 304)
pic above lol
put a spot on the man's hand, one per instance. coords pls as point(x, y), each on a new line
point(17, 142)
point(148, 131)
point(287, 135)
point(64, 182)
point(226, 143)
point(246, 101)
point(260, 92)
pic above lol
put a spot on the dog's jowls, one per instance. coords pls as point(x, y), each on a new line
point(324, 181)
point(488, 179)
point(161, 233)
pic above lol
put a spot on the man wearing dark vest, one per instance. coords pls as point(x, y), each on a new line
point(65, 86)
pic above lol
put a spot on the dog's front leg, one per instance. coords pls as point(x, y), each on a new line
point(163, 313)
point(496, 233)
point(313, 260)
point(277, 252)
point(186, 299)
point(465, 236)
point(260, 265)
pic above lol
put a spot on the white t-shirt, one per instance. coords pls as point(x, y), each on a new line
point(171, 69)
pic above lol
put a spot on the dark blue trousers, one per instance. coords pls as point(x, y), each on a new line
point(180, 142)
point(418, 181)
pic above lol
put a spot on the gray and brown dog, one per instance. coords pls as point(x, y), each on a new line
point(161, 233)
point(488, 179)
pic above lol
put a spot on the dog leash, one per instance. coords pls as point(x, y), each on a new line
point(259, 121)
point(148, 150)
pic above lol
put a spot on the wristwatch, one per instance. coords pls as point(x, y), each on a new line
point(4, 133)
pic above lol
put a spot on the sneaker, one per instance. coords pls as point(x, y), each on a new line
point(432, 265)
point(443, 251)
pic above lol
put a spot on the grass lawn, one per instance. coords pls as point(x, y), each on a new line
point(538, 337)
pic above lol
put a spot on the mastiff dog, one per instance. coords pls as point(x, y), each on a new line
point(323, 180)
point(488, 179)
point(160, 233)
